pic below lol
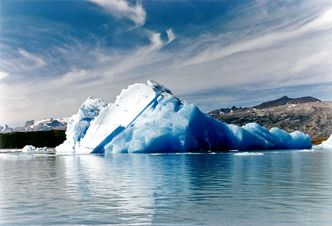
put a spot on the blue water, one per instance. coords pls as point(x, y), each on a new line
point(267, 188)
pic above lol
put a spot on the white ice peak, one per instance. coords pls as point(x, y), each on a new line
point(117, 116)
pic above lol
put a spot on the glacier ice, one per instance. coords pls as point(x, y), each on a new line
point(148, 118)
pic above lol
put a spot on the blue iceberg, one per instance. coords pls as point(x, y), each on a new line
point(148, 118)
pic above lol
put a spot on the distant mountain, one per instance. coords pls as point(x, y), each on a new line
point(222, 111)
point(6, 129)
point(307, 114)
point(46, 124)
point(286, 100)
point(41, 125)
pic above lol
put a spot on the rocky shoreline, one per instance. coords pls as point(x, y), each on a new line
point(313, 118)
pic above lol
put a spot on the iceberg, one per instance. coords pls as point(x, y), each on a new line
point(79, 123)
point(33, 149)
point(148, 118)
point(326, 144)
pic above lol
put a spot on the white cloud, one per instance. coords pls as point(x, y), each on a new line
point(121, 8)
point(323, 21)
point(205, 70)
point(310, 61)
point(156, 41)
point(170, 35)
point(32, 58)
point(3, 74)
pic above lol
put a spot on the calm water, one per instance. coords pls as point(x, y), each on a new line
point(268, 188)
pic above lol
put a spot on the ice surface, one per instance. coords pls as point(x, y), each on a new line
point(116, 117)
point(79, 123)
point(326, 144)
point(31, 149)
point(148, 118)
point(249, 153)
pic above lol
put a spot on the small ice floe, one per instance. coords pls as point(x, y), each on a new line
point(326, 144)
point(308, 150)
point(33, 149)
point(4, 151)
point(248, 153)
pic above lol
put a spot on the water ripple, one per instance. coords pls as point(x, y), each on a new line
point(267, 188)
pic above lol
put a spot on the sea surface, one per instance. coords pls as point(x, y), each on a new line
point(260, 188)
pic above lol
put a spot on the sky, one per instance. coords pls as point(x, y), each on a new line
point(214, 53)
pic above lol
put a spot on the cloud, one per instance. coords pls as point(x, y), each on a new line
point(215, 51)
point(3, 74)
point(32, 58)
point(323, 21)
point(314, 59)
point(243, 64)
point(155, 40)
point(122, 9)
point(170, 35)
